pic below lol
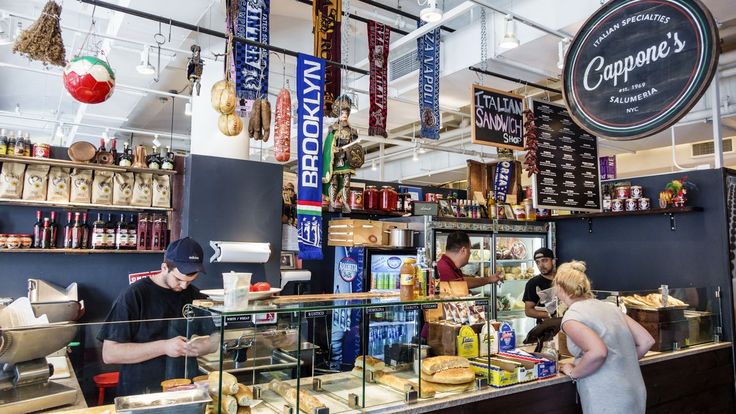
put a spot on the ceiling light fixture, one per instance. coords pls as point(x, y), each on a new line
point(145, 68)
point(509, 40)
point(106, 136)
point(156, 143)
point(431, 13)
point(60, 131)
point(422, 150)
point(373, 166)
point(188, 108)
point(415, 156)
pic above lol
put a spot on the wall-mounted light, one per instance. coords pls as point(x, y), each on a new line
point(509, 40)
point(431, 13)
point(145, 68)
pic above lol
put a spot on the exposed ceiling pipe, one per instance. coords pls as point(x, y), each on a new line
point(65, 123)
point(522, 19)
point(144, 91)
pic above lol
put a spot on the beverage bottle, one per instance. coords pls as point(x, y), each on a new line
point(27, 146)
point(125, 159)
point(46, 233)
point(54, 230)
point(114, 150)
point(102, 146)
point(37, 230)
point(99, 235)
point(3, 142)
point(68, 231)
point(153, 162)
point(422, 272)
point(132, 233)
point(110, 233)
point(168, 162)
point(84, 232)
point(407, 276)
point(20, 146)
point(76, 236)
point(121, 234)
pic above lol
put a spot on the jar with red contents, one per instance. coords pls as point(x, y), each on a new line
point(389, 198)
point(371, 198)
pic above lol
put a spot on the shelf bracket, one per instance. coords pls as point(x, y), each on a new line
point(590, 224)
point(673, 227)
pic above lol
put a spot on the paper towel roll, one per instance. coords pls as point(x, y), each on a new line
point(240, 252)
point(295, 276)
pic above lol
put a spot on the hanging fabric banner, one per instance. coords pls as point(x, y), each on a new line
point(428, 53)
point(502, 182)
point(379, 38)
point(326, 18)
point(251, 75)
point(310, 79)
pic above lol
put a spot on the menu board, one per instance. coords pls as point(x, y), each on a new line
point(567, 156)
point(498, 118)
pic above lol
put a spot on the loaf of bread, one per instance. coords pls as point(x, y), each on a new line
point(399, 384)
point(244, 395)
point(451, 376)
point(369, 363)
point(435, 388)
point(307, 402)
point(243, 410)
point(228, 404)
point(229, 383)
point(440, 363)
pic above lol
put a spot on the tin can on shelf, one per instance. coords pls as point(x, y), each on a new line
point(430, 197)
point(42, 150)
point(356, 199)
point(3, 241)
point(400, 197)
point(606, 203)
point(617, 205)
point(623, 191)
point(637, 192)
point(644, 203)
point(371, 199)
point(26, 240)
point(13, 241)
point(631, 204)
point(407, 202)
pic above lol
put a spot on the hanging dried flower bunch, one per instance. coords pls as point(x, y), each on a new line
point(42, 41)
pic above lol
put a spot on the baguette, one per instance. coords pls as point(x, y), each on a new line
point(228, 404)
point(370, 363)
point(244, 395)
point(229, 383)
point(307, 402)
point(451, 376)
point(440, 363)
point(399, 384)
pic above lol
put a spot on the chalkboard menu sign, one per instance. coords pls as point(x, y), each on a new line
point(637, 66)
point(567, 156)
point(498, 118)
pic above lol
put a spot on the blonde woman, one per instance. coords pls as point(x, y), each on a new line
point(607, 346)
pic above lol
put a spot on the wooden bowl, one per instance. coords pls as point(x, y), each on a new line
point(81, 151)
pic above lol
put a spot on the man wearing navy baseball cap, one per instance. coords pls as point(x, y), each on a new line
point(152, 348)
point(544, 258)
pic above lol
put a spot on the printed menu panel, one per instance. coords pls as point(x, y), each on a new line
point(567, 156)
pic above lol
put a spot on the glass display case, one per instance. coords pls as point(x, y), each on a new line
point(498, 245)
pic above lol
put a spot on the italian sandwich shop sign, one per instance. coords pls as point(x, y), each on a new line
point(637, 66)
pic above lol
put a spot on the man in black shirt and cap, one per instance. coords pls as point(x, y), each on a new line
point(145, 331)
point(545, 260)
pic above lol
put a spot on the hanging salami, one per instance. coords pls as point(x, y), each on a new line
point(282, 126)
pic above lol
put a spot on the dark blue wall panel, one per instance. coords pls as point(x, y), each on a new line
point(641, 252)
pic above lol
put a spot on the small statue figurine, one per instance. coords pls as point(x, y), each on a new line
point(336, 167)
point(195, 68)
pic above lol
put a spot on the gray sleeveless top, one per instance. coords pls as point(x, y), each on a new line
point(617, 386)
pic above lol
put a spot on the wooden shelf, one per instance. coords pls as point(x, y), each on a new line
point(83, 165)
point(26, 203)
point(81, 251)
point(652, 212)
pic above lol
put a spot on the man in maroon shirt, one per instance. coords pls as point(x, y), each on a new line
point(457, 254)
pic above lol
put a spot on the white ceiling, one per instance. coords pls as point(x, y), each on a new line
point(42, 95)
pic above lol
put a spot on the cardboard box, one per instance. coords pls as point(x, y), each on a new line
point(442, 336)
point(351, 233)
point(501, 373)
point(541, 366)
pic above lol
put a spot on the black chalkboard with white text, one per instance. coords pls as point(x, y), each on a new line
point(567, 156)
point(498, 118)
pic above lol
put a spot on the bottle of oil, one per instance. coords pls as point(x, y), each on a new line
point(407, 280)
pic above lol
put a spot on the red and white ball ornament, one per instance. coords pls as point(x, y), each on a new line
point(89, 80)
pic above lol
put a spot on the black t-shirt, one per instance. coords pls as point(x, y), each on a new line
point(146, 300)
point(530, 291)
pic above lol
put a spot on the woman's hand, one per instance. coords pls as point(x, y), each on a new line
point(567, 369)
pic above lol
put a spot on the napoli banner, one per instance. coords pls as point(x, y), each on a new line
point(310, 82)
point(428, 53)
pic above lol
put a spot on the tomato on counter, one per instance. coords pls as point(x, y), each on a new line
point(260, 287)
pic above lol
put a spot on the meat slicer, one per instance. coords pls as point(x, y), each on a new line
point(25, 372)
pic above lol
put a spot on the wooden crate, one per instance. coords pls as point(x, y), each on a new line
point(351, 233)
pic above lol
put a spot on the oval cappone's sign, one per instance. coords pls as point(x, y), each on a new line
point(637, 66)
